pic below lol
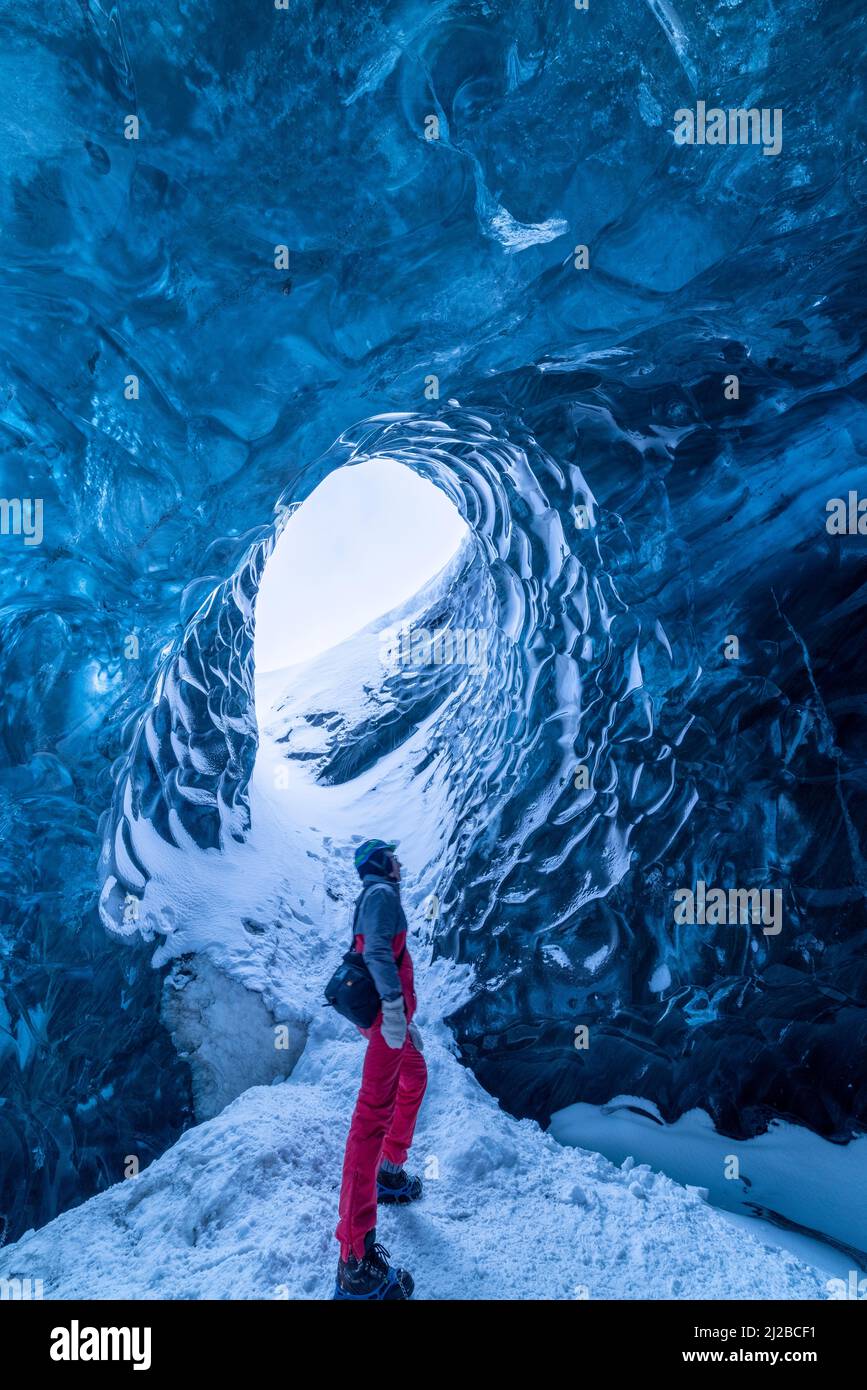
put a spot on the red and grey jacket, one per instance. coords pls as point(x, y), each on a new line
point(380, 936)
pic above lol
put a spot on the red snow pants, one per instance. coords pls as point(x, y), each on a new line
point(393, 1082)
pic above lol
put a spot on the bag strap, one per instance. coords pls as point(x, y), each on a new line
point(355, 916)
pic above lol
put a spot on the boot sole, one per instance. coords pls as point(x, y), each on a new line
point(398, 1289)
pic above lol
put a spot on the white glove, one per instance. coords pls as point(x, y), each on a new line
point(415, 1038)
point(394, 1022)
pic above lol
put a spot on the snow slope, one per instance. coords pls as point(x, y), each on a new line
point(794, 1176)
point(244, 1206)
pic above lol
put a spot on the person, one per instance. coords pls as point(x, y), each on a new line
point(393, 1082)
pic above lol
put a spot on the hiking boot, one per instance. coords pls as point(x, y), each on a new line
point(397, 1188)
point(372, 1277)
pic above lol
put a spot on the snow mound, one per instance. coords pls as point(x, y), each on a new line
point(244, 1207)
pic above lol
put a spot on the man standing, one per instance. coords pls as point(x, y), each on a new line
point(393, 1083)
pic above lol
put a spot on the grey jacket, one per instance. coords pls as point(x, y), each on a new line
point(379, 918)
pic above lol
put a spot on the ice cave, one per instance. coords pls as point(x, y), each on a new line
point(599, 485)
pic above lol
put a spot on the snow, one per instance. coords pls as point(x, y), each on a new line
point(802, 1179)
point(367, 538)
point(244, 1206)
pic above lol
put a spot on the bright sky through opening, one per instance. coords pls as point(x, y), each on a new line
point(365, 540)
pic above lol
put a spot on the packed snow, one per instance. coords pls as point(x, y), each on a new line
point(244, 1205)
point(794, 1178)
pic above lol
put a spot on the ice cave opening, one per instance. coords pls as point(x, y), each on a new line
point(364, 541)
point(356, 684)
point(551, 786)
point(360, 672)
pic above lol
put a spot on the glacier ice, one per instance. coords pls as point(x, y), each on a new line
point(126, 647)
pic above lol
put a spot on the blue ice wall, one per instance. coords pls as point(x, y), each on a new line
point(162, 379)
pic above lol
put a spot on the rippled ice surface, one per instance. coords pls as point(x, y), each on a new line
point(558, 387)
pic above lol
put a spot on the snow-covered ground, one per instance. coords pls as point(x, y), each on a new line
point(804, 1183)
point(244, 1205)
